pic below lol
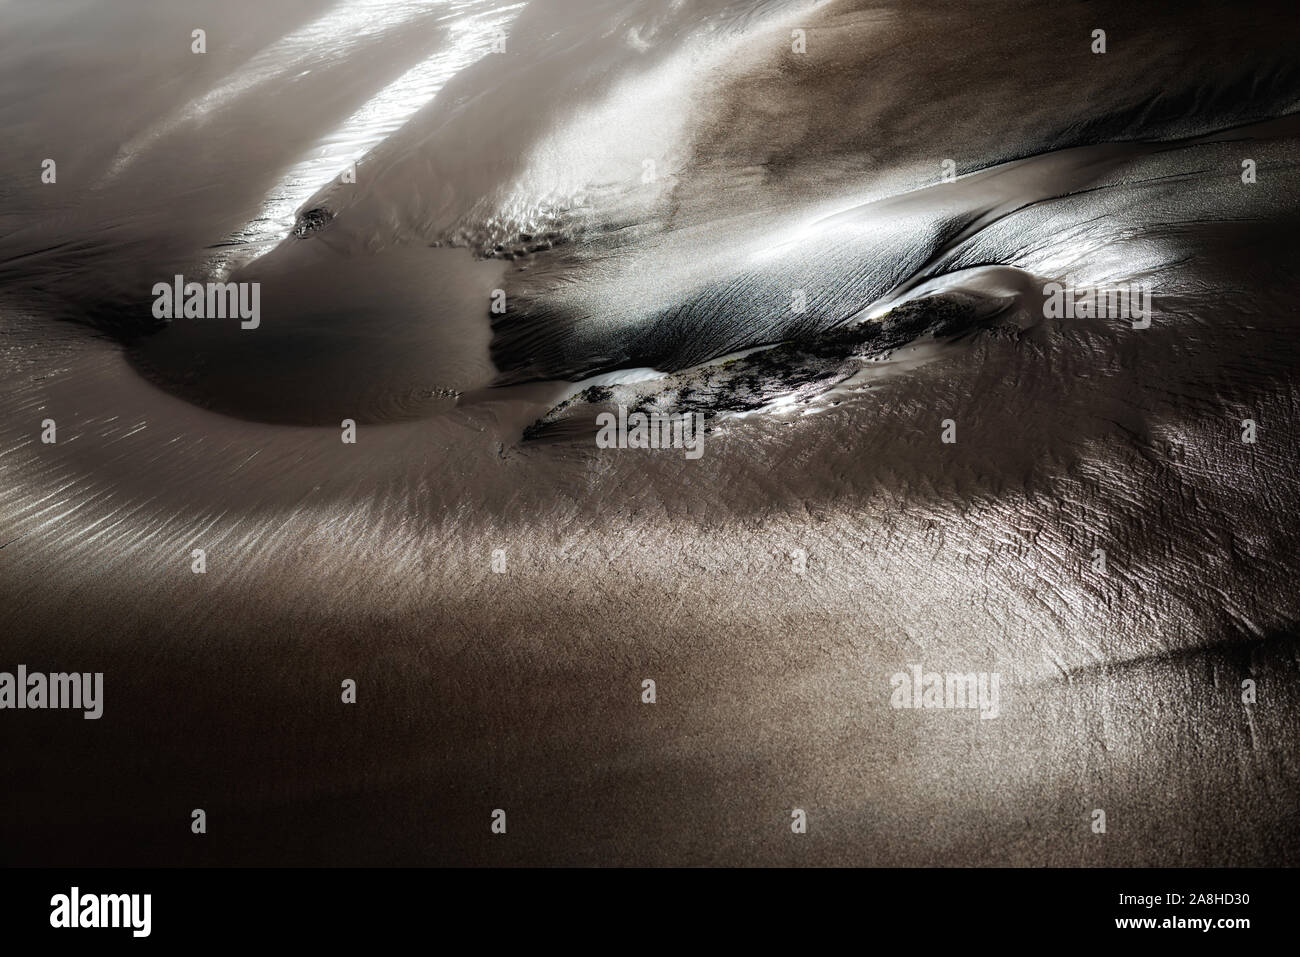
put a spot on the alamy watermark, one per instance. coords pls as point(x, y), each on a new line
point(214, 300)
point(75, 909)
point(1131, 301)
point(931, 689)
point(36, 690)
point(655, 430)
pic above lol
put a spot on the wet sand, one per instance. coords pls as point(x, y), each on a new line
point(522, 690)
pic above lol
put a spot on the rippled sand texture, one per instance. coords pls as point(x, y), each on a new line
point(775, 171)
